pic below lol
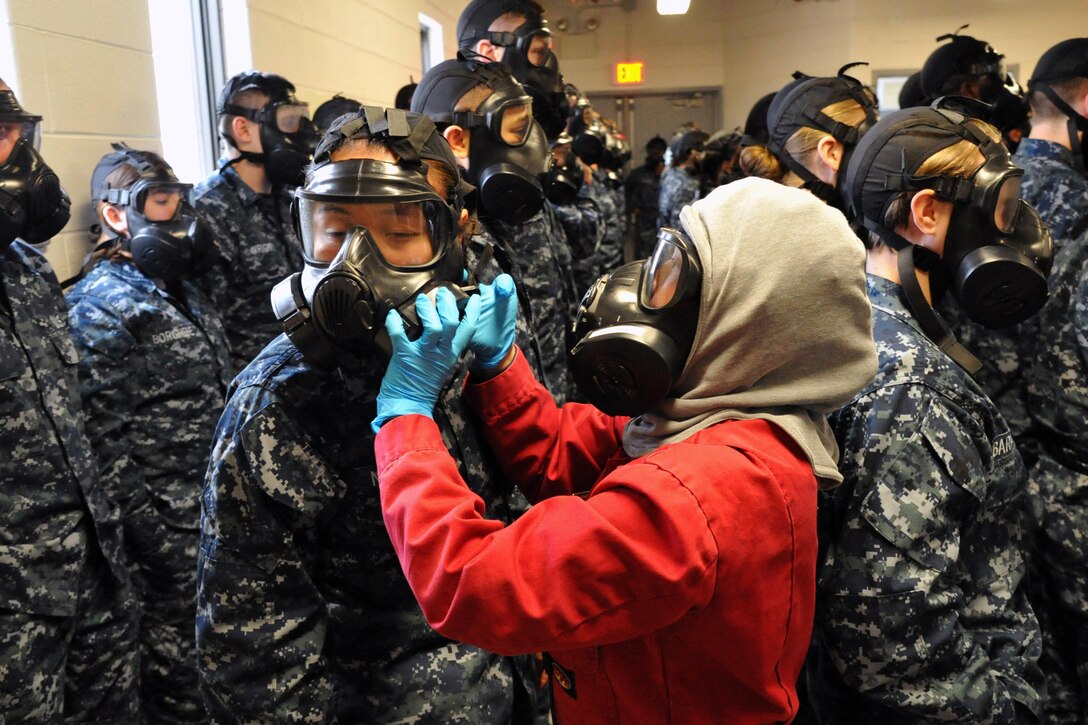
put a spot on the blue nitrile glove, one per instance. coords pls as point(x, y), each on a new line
point(494, 333)
point(418, 370)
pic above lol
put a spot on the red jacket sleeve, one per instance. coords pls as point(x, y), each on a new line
point(634, 557)
point(546, 450)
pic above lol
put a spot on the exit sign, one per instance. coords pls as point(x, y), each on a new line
point(629, 73)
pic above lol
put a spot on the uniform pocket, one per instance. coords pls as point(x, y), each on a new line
point(876, 637)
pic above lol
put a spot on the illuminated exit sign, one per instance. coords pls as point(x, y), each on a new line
point(629, 73)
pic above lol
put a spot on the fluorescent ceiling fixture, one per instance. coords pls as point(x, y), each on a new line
point(672, 7)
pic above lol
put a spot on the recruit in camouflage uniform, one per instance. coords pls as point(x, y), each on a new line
point(1057, 398)
point(1060, 194)
point(609, 200)
point(256, 248)
point(919, 616)
point(303, 610)
point(679, 187)
point(154, 366)
point(67, 627)
point(584, 226)
point(537, 248)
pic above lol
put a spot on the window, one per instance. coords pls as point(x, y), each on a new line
point(430, 39)
point(192, 60)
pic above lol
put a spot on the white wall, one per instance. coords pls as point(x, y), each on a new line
point(750, 47)
point(86, 68)
point(363, 49)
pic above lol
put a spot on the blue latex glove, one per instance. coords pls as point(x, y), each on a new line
point(419, 369)
point(494, 335)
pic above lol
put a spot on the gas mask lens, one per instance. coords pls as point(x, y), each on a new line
point(662, 273)
point(540, 48)
point(1008, 204)
point(401, 232)
point(11, 131)
point(160, 202)
point(289, 117)
point(516, 120)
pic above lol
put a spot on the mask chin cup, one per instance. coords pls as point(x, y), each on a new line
point(508, 193)
point(626, 369)
point(999, 287)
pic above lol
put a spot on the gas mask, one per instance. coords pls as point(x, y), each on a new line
point(375, 236)
point(169, 249)
point(565, 179)
point(287, 134)
point(33, 206)
point(997, 252)
point(543, 82)
point(590, 137)
point(799, 104)
point(635, 328)
point(508, 157)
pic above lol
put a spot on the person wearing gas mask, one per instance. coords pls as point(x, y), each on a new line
point(154, 365)
point(680, 182)
point(267, 140)
point(920, 616)
point(67, 625)
point(1053, 352)
point(566, 187)
point(303, 614)
point(642, 189)
point(515, 32)
point(966, 66)
point(652, 540)
point(486, 117)
point(813, 125)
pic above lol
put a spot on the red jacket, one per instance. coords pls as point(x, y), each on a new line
point(679, 589)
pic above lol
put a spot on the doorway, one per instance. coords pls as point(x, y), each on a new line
point(641, 116)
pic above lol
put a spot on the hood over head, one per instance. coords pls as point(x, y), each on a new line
point(785, 327)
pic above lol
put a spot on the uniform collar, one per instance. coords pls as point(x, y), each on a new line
point(1037, 148)
point(889, 297)
point(248, 196)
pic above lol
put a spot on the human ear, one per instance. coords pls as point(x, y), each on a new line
point(927, 213)
point(829, 151)
point(457, 138)
point(246, 133)
point(115, 219)
point(488, 50)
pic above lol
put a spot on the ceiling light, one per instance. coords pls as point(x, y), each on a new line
point(672, 7)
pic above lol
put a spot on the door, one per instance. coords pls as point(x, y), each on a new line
point(645, 115)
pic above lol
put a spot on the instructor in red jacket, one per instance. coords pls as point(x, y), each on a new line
point(668, 564)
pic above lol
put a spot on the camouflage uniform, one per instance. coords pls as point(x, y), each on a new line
point(679, 188)
point(584, 225)
point(537, 250)
point(610, 201)
point(1060, 194)
point(1057, 398)
point(643, 190)
point(303, 611)
point(67, 628)
point(256, 248)
point(919, 617)
point(154, 366)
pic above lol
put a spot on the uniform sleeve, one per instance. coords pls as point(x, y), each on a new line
point(261, 620)
point(584, 225)
point(214, 282)
point(110, 377)
point(546, 450)
point(642, 540)
point(915, 526)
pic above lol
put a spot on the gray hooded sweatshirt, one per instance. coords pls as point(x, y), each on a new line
point(785, 329)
